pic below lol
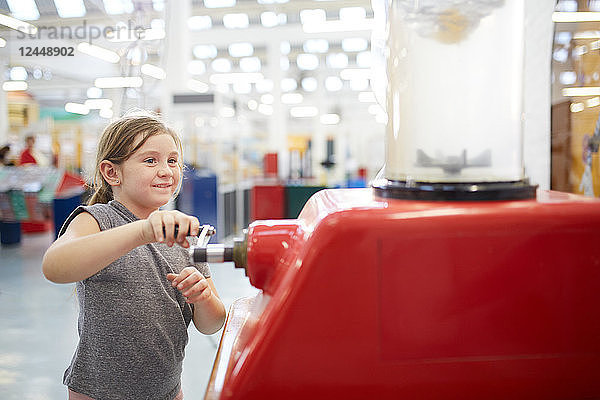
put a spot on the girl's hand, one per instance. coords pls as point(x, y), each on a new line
point(192, 285)
point(165, 221)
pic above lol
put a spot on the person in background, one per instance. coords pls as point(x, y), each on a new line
point(27, 155)
point(137, 292)
point(4, 151)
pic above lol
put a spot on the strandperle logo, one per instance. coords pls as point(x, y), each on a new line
point(83, 32)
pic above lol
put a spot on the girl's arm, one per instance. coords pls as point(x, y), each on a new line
point(209, 311)
point(83, 249)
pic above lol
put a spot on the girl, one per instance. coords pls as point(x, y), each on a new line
point(137, 292)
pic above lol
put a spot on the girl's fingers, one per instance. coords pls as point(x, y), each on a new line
point(203, 295)
point(168, 222)
point(194, 226)
point(183, 221)
point(189, 281)
point(157, 230)
point(182, 275)
point(198, 287)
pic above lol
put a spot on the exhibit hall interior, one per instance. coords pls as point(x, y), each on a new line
point(269, 199)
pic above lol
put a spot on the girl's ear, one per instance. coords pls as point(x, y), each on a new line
point(110, 172)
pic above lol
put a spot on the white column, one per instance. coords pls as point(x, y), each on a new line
point(277, 141)
point(176, 54)
point(3, 107)
point(319, 141)
point(537, 101)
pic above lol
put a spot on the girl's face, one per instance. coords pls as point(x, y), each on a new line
point(150, 176)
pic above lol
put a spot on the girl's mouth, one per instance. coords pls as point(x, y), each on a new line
point(162, 185)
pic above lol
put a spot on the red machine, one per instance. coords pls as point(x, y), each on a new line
point(450, 279)
point(369, 298)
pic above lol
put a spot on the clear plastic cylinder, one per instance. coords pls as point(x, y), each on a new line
point(454, 96)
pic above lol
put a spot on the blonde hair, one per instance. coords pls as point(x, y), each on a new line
point(118, 142)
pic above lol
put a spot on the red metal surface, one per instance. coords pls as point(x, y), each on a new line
point(268, 202)
point(389, 299)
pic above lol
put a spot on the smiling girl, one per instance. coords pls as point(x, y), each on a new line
point(137, 292)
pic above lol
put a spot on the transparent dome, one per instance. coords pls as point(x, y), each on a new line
point(452, 88)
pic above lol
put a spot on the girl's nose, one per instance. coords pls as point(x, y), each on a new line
point(164, 170)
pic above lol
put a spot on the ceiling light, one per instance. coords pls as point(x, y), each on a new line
point(236, 21)
point(241, 49)
point(581, 91)
point(219, 3)
point(118, 6)
point(266, 98)
point(337, 60)
point(284, 63)
point(264, 86)
point(94, 92)
point(221, 65)
point(250, 64)
point(18, 74)
point(269, 19)
point(2, 43)
point(153, 71)
point(77, 108)
point(316, 46)
point(23, 9)
point(98, 52)
point(593, 102)
point(285, 48)
point(252, 105)
point(366, 97)
point(227, 112)
point(158, 5)
point(196, 67)
point(205, 51)
point(355, 44)
point(265, 109)
point(118, 82)
point(566, 5)
point(363, 59)
point(14, 86)
point(197, 86)
point(17, 25)
point(587, 16)
point(271, 1)
point(381, 118)
point(304, 111)
point(70, 8)
point(333, 84)
point(577, 107)
point(249, 77)
point(309, 84)
point(561, 55)
point(564, 38)
point(98, 104)
point(330, 119)
point(291, 98)
point(312, 16)
point(288, 84)
point(307, 62)
point(199, 22)
point(577, 35)
point(567, 77)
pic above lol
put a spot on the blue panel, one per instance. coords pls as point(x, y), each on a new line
point(198, 196)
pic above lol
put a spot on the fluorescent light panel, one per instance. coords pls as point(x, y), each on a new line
point(236, 21)
point(70, 8)
point(205, 51)
point(14, 86)
point(198, 86)
point(338, 26)
point(586, 16)
point(23, 9)
point(2, 43)
point(581, 91)
point(77, 108)
point(304, 111)
point(118, 6)
point(234, 77)
point(219, 3)
point(153, 71)
point(18, 25)
point(241, 49)
point(312, 16)
point(98, 52)
point(199, 22)
point(98, 104)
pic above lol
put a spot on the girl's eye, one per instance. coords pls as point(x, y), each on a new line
point(149, 160)
point(173, 160)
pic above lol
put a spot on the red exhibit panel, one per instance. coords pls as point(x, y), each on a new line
point(268, 202)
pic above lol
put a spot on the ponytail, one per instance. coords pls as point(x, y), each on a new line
point(102, 192)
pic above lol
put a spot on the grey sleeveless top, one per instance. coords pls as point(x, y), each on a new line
point(132, 323)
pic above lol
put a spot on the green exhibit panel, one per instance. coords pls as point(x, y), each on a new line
point(296, 197)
